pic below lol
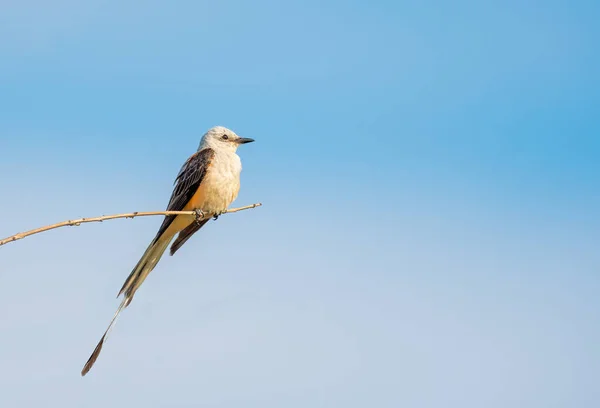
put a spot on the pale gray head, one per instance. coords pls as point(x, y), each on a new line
point(220, 138)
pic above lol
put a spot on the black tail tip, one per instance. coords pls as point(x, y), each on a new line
point(90, 363)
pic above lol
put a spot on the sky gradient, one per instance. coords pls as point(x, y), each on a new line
point(430, 180)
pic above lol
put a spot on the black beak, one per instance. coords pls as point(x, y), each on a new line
point(243, 140)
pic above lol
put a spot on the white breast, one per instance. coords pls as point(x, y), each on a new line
point(222, 181)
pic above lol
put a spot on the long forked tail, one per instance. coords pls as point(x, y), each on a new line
point(145, 265)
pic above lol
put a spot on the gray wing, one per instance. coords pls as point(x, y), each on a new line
point(186, 184)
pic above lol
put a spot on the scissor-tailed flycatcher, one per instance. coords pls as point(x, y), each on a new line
point(208, 182)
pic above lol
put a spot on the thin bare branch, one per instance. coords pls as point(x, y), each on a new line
point(71, 223)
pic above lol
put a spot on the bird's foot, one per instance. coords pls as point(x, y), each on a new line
point(199, 215)
point(216, 216)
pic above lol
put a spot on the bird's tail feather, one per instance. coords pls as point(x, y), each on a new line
point(88, 365)
point(146, 264)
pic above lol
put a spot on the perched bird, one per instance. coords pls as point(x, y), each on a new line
point(207, 183)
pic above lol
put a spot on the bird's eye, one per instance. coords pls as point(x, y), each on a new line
point(224, 137)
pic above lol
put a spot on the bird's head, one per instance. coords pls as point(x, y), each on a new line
point(221, 138)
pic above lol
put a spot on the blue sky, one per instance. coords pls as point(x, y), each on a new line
point(430, 228)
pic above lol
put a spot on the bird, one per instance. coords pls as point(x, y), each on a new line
point(208, 182)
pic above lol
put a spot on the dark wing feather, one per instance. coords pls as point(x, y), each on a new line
point(186, 234)
point(186, 183)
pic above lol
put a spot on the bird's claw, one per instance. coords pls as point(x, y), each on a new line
point(216, 216)
point(199, 215)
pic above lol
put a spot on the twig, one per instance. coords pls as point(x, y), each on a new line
point(80, 221)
